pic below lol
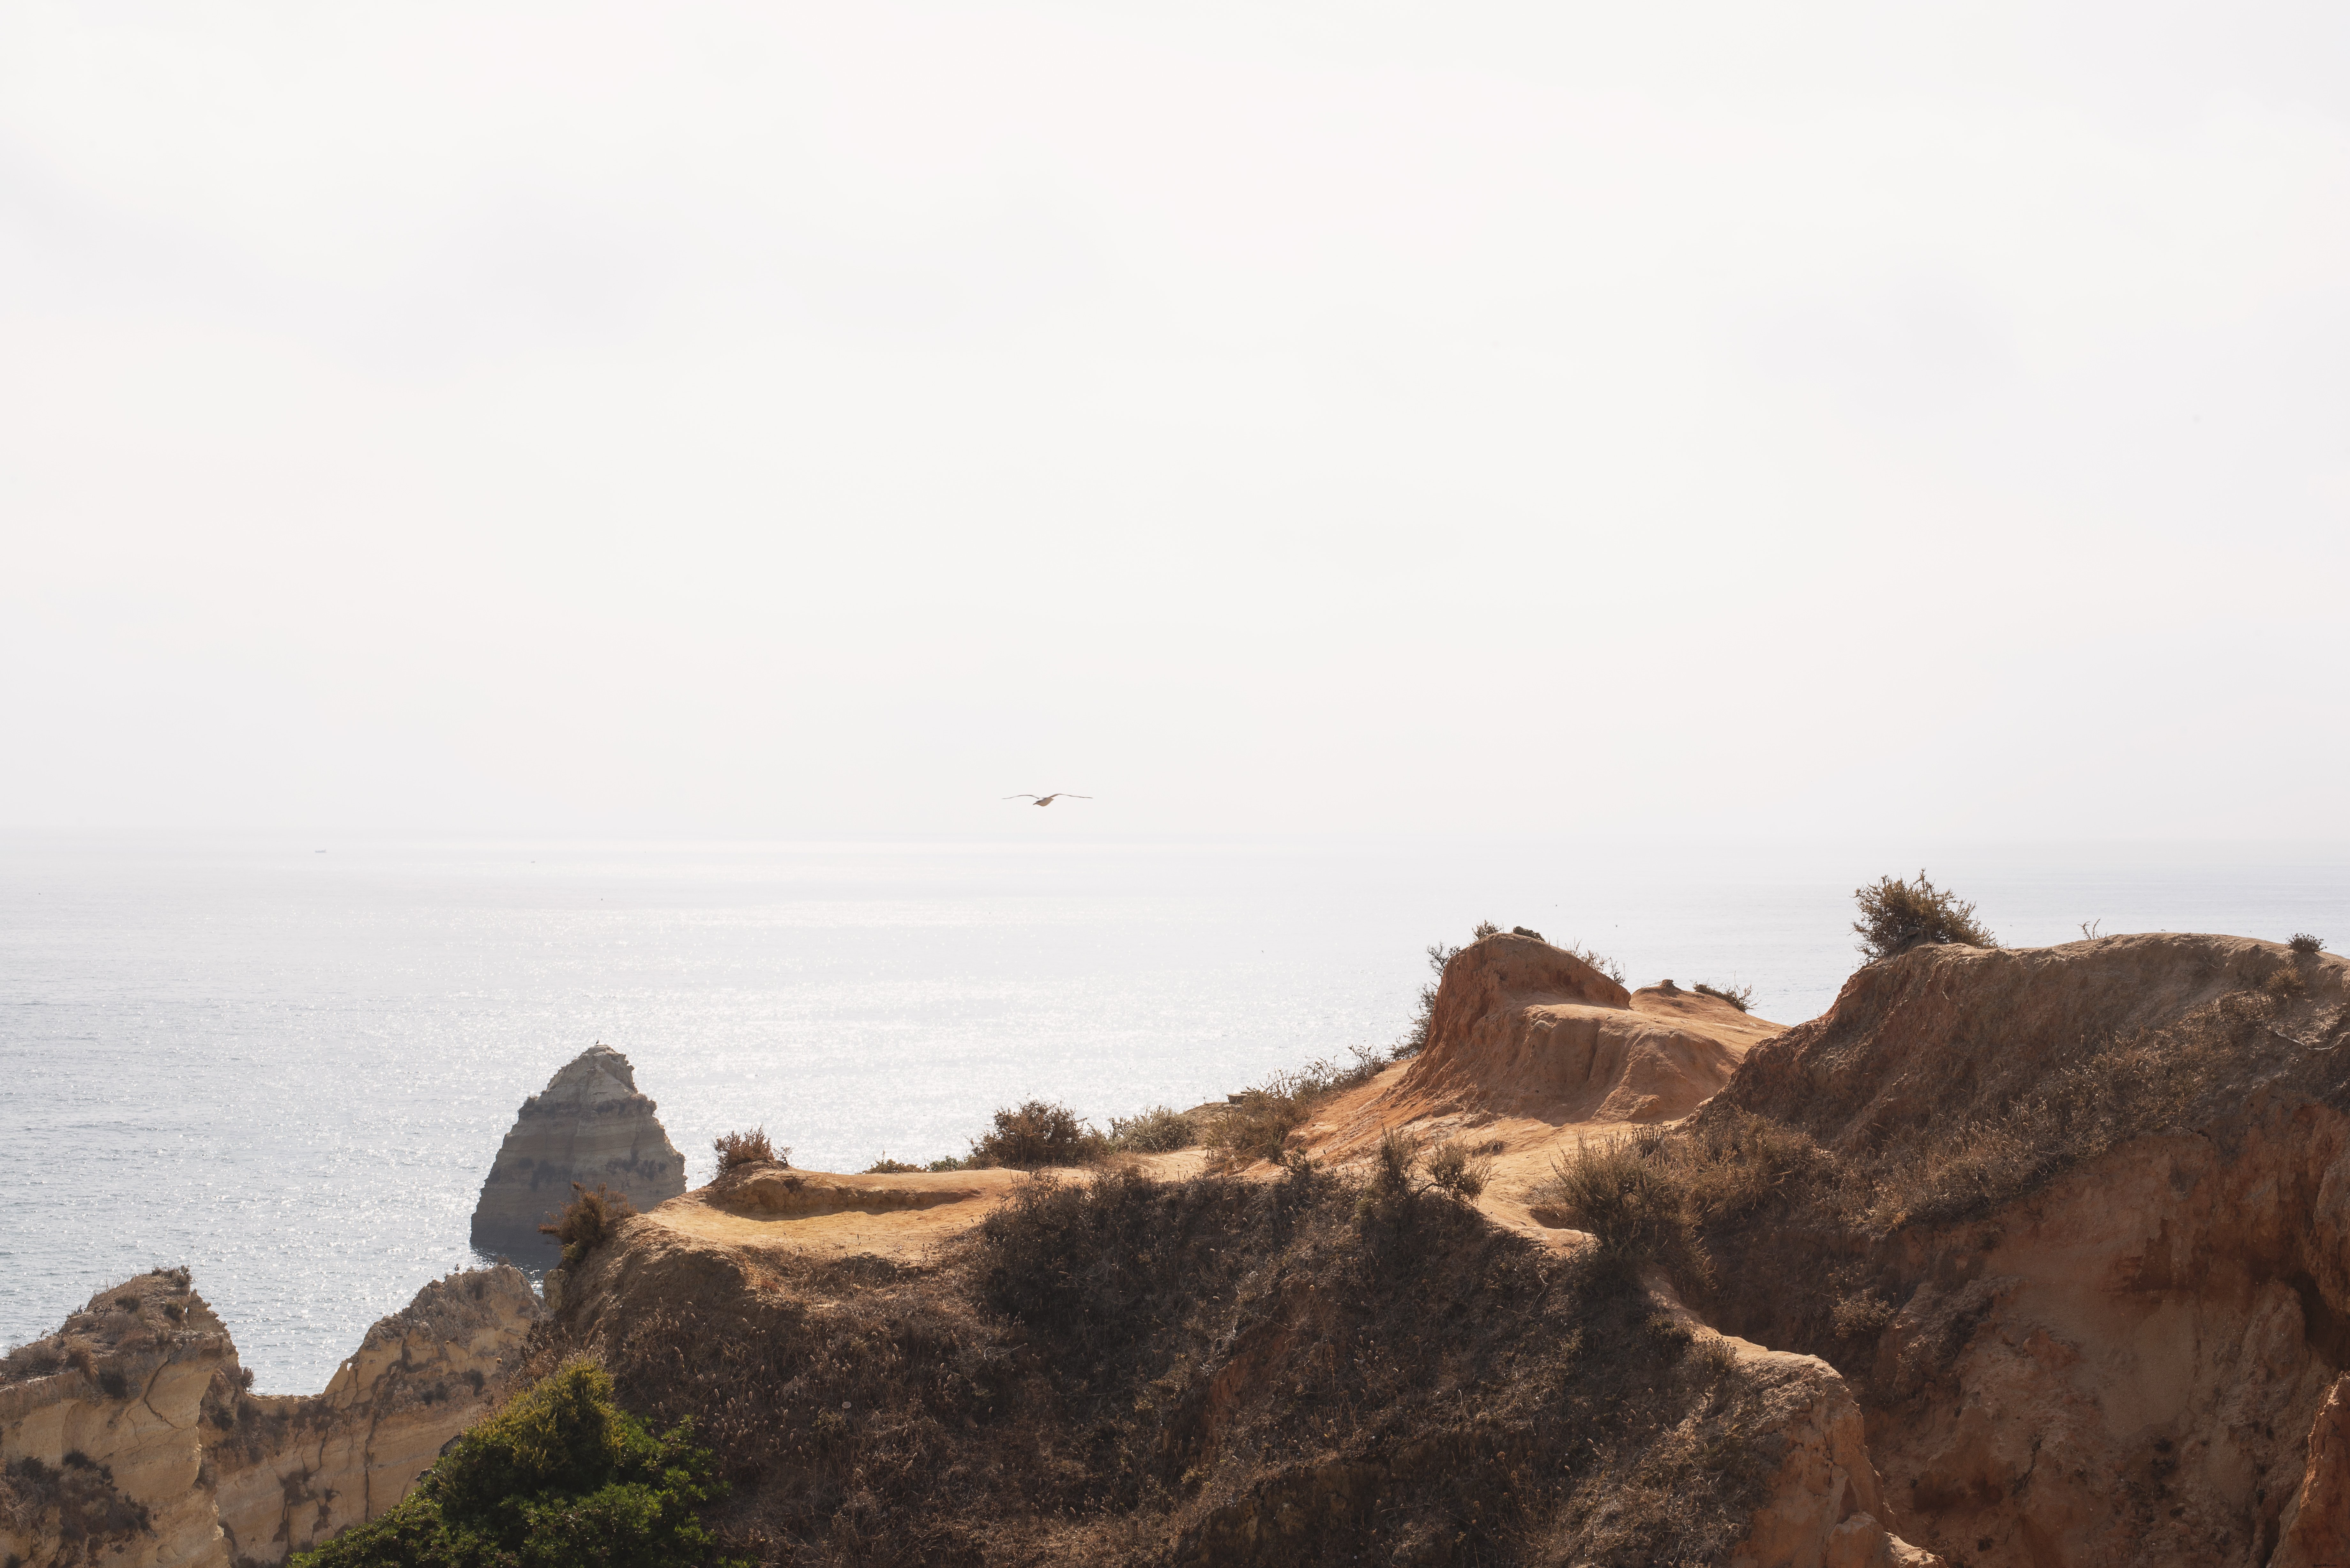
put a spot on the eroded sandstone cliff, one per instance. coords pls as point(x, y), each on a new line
point(131, 1436)
point(590, 1126)
point(2076, 1222)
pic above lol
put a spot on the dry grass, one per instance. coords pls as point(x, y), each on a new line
point(1741, 997)
point(1257, 1123)
point(588, 1220)
point(738, 1149)
point(1158, 1130)
point(1035, 1134)
point(1896, 915)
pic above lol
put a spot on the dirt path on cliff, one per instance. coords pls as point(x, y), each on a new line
point(1559, 1071)
point(825, 1214)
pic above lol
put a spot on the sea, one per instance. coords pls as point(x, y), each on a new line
point(288, 1063)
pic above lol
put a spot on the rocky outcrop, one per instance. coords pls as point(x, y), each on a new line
point(130, 1435)
point(100, 1445)
point(2095, 1290)
point(1521, 1028)
point(290, 1472)
point(589, 1124)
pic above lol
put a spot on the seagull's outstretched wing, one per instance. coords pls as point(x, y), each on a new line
point(1019, 797)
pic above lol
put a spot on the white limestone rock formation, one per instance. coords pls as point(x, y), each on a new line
point(129, 1435)
point(590, 1126)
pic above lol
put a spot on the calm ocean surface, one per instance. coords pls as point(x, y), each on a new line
point(290, 1070)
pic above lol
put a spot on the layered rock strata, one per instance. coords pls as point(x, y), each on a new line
point(130, 1436)
point(590, 1126)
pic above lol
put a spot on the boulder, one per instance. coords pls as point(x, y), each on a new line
point(589, 1124)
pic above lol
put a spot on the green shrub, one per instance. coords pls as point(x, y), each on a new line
point(1037, 1133)
point(1741, 997)
point(948, 1162)
point(1158, 1130)
point(737, 1150)
point(562, 1476)
point(587, 1220)
point(885, 1165)
point(1896, 915)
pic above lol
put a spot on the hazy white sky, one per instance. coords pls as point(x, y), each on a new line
point(776, 420)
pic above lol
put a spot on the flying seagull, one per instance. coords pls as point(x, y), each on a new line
point(1048, 799)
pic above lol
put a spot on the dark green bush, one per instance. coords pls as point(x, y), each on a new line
point(885, 1165)
point(1896, 915)
point(561, 1478)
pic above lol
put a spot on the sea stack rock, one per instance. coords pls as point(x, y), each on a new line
point(589, 1124)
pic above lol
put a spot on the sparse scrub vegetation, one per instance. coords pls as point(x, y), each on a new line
point(75, 1501)
point(1035, 1134)
point(562, 1475)
point(1158, 1130)
point(588, 1220)
point(1741, 997)
point(2307, 946)
point(1597, 960)
point(738, 1149)
point(1896, 915)
point(2285, 984)
point(1415, 1038)
point(885, 1165)
point(1459, 1171)
point(1405, 1165)
point(1256, 1123)
point(1633, 1195)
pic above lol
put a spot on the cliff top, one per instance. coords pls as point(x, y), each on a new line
point(599, 1075)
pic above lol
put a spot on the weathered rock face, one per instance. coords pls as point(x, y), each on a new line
point(101, 1448)
point(292, 1472)
point(129, 1436)
point(2141, 1360)
point(589, 1124)
point(1525, 1028)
